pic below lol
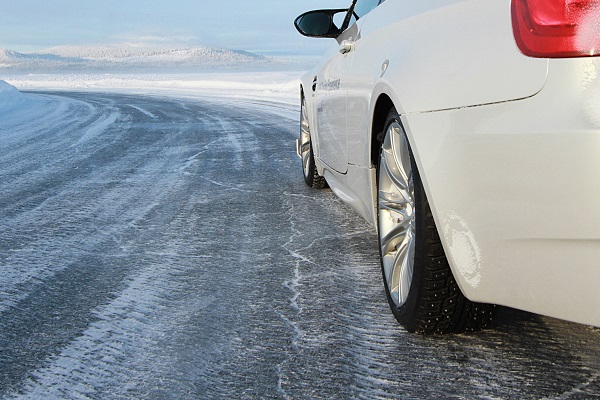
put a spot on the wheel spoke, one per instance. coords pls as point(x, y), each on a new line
point(305, 147)
point(403, 266)
point(396, 233)
point(401, 153)
point(305, 161)
point(399, 269)
point(390, 167)
point(396, 207)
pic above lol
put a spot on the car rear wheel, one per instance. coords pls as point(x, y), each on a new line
point(421, 290)
point(309, 169)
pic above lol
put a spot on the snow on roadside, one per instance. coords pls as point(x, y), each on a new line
point(278, 87)
point(10, 97)
point(18, 109)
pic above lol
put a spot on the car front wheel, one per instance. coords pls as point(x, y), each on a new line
point(309, 169)
point(421, 290)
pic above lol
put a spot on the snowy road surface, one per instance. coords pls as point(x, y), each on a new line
point(164, 248)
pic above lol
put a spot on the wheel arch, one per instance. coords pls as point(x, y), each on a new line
point(306, 95)
point(382, 107)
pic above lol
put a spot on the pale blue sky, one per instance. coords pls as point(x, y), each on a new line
point(263, 26)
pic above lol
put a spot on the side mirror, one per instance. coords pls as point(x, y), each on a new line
point(318, 23)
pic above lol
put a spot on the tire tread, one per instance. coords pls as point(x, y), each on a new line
point(442, 307)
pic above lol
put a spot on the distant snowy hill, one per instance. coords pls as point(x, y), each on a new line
point(127, 57)
point(11, 60)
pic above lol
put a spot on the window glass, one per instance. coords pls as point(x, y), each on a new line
point(364, 6)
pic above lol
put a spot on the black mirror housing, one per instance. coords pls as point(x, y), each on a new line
point(318, 23)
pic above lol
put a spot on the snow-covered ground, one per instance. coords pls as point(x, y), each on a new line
point(279, 86)
point(275, 91)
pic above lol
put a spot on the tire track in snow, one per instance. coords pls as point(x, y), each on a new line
point(101, 221)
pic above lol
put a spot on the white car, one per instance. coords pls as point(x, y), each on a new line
point(468, 133)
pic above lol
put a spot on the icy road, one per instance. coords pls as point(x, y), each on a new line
point(167, 248)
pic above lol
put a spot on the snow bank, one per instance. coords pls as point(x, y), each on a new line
point(280, 87)
point(10, 97)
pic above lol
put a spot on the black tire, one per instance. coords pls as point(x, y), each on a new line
point(428, 300)
point(309, 169)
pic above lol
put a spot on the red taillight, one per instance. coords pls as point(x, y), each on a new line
point(557, 28)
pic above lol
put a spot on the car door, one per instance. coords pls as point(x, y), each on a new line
point(332, 91)
point(368, 64)
point(331, 109)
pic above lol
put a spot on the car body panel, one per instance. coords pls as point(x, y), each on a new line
point(440, 64)
point(330, 102)
point(515, 193)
